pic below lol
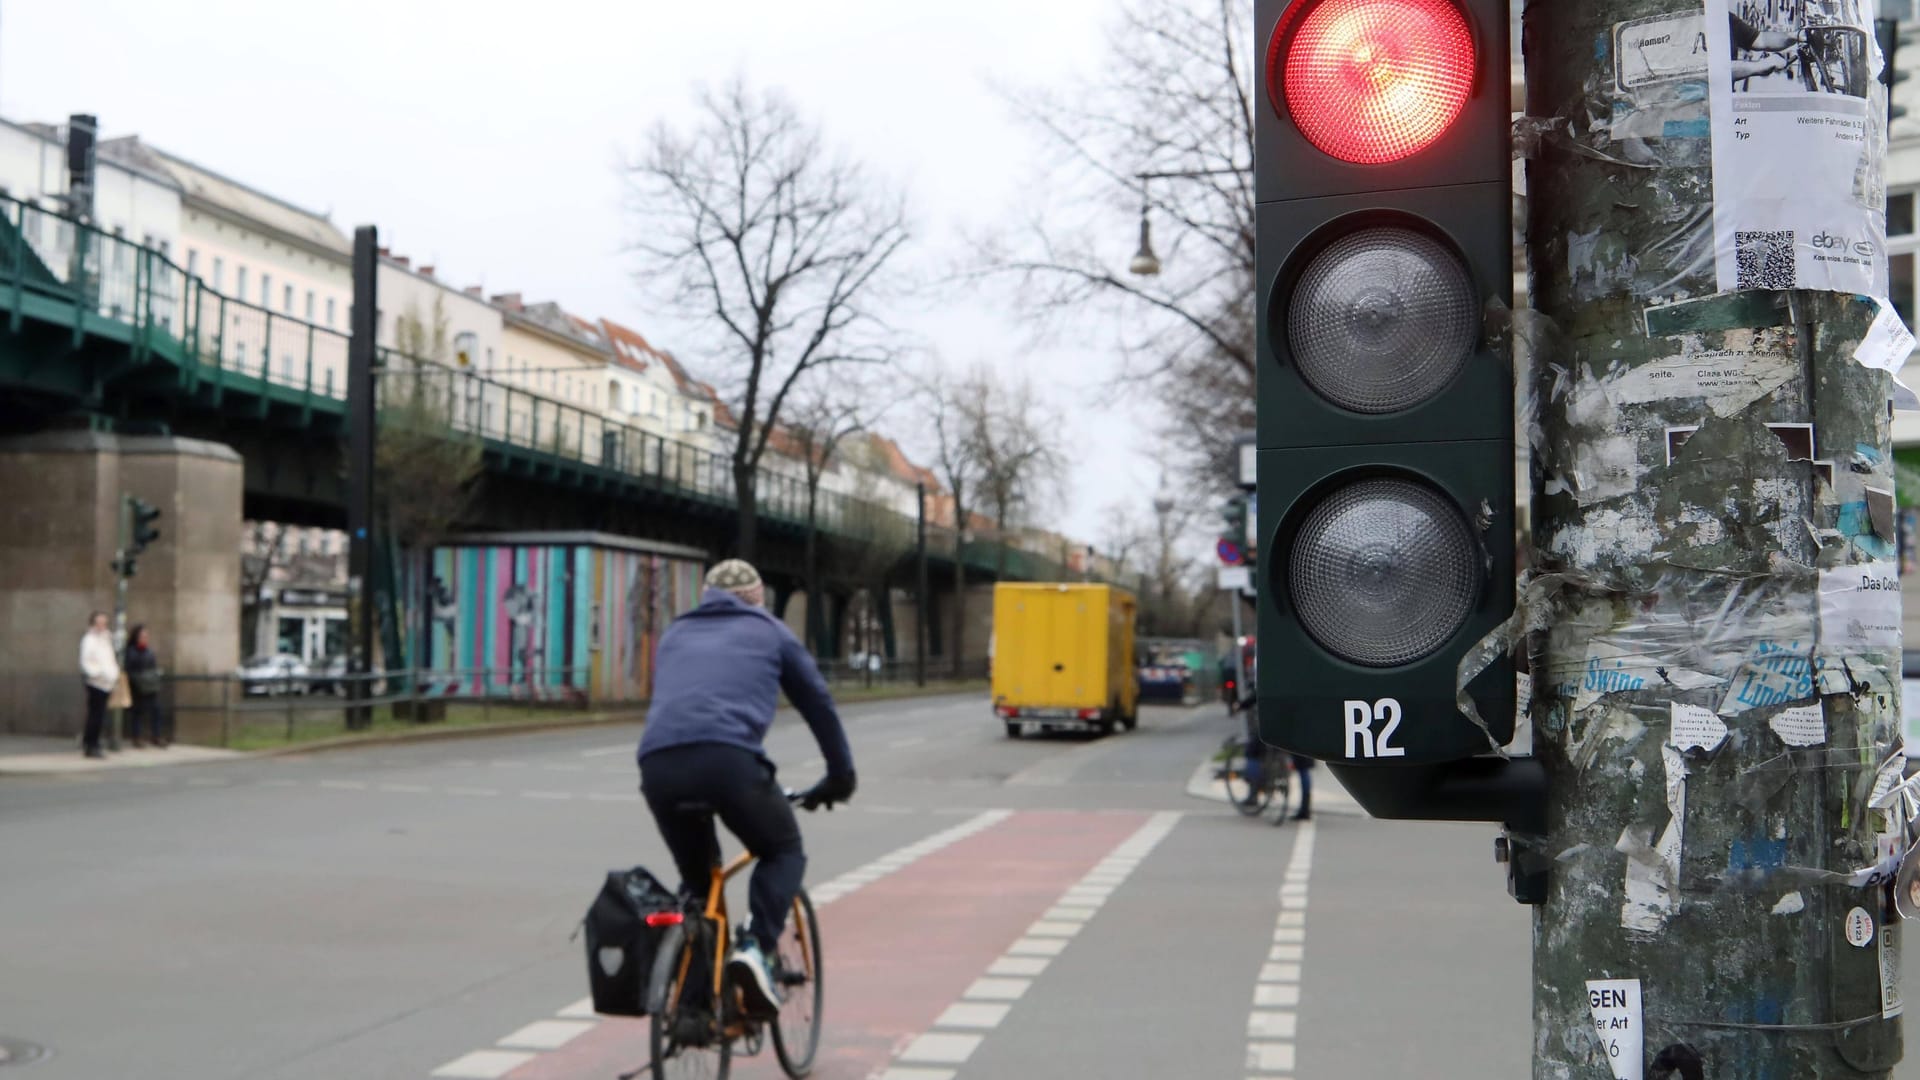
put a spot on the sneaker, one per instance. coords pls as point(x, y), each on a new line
point(753, 973)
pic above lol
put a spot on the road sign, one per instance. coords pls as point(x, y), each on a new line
point(1229, 552)
point(1236, 577)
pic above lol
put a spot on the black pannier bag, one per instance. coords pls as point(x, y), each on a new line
point(620, 944)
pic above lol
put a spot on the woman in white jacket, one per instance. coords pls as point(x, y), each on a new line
point(100, 668)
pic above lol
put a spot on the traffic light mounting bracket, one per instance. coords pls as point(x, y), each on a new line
point(1511, 791)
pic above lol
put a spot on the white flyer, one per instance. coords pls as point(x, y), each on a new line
point(1860, 605)
point(1798, 197)
point(1888, 342)
point(1617, 1020)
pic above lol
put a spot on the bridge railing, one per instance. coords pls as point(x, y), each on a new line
point(98, 278)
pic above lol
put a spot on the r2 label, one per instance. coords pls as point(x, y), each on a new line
point(1361, 739)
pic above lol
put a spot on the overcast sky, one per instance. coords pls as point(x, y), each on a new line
point(483, 138)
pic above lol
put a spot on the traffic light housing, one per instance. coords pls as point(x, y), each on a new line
point(1891, 36)
point(1384, 243)
point(142, 532)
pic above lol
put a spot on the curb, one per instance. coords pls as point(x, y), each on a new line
point(427, 733)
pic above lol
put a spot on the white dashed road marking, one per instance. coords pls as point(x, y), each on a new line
point(1273, 1023)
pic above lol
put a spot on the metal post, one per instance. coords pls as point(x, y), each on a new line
point(1714, 689)
point(360, 442)
point(122, 544)
point(920, 600)
point(1239, 652)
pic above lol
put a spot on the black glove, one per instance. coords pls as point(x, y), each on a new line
point(831, 789)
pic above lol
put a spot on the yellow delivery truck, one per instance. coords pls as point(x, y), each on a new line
point(1063, 658)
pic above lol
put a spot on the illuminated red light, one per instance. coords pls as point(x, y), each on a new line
point(658, 919)
point(1374, 81)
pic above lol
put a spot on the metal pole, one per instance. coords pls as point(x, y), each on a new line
point(920, 600)
point(1239, 653)
point(360, 442)
point(123, 542)
point(1714, 694)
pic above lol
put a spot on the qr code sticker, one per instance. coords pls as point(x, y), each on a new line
point(1764, 260)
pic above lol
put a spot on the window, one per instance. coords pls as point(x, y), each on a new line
point(1900, 214)
point(266, 290)
point(286, 366)
point(489, 358)
point(329, 311)
point(1900, 268)
point(286, 301)
point(193, 261)
point(240, 281)
point(309, 305)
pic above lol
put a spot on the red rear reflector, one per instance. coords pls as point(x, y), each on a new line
point(1009, 711)
point(1088, 714)
point(658, 919)
point(1373, 81)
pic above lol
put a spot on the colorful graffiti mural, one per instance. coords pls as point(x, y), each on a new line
point(522, 617)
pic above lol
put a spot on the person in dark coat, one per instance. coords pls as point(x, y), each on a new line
point(143, 678)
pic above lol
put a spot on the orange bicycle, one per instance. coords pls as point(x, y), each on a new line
point(695, 1011)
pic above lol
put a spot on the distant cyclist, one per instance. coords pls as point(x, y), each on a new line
point(719, 671)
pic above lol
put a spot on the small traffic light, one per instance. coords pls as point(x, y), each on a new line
point(1891, 36)
point(1383, 190)
point(142, 515)
point(1233, 527)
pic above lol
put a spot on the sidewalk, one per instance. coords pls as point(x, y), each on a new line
point(42, 755)
point(1328, 796)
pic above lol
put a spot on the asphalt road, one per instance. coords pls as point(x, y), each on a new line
point(993, 908)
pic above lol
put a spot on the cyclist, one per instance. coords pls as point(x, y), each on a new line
point(719, 670)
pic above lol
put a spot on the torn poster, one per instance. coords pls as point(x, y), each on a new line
point(1617, 1019)
point(1652, 884)
point(1860, 606)
point(1799, 201)
point(1695, 727)
point(1801, 725)
point(1888, 342)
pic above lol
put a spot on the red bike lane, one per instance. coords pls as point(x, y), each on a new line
point(898, 951)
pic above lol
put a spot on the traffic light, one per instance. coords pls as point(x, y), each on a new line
point(141, 516)
point(1891, 37)
point(1383, 190)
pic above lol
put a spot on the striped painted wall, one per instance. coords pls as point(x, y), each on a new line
point(549, 620)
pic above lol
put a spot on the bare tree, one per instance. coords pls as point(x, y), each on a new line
point(426, 462)
point(785, 244)
point(1175, 101)
point(824, 414)
point(949, 399)
point(1016, 442)
point(263, 550)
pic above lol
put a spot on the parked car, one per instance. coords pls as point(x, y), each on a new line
point(280, 673)
point(329, 676)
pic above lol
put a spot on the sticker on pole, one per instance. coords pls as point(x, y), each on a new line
point(1799, 199)
point(1859, 928)
point(1616, 1018)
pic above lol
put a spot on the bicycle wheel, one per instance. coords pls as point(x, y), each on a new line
point(1246, 796)
point(681, 1036)
point(796, 1033)
point(1281, 769)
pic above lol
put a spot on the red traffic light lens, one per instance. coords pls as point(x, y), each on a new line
point(1374, 81)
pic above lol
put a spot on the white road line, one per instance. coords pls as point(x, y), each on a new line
point(475, 791)
point(547, 1034)
point(1272, 1025)
point(940, 1048)
point(483, 1065)
point(555, 796)
point(406, 789)
point(344, 785)
point(609, 751)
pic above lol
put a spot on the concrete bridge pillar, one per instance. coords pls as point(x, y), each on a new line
point(59, 525)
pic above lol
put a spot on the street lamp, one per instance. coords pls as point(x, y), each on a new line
point(1145, 263)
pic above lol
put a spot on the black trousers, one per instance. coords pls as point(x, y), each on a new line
point(96, 718)
point(143, 720)
point(740, 788)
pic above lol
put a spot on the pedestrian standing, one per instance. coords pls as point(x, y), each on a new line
point(1303, 768)
point(100, 670)
point(143, 677)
